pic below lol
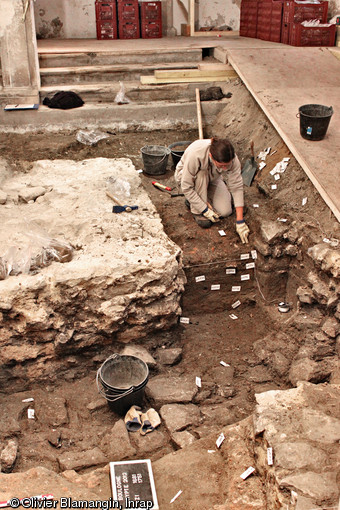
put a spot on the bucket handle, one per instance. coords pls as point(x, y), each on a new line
point(298, 115)
point(103, 394)
point(160, 161)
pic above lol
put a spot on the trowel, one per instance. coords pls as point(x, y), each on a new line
point(250, 167)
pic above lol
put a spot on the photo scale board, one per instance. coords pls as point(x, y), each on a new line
point(133, 484)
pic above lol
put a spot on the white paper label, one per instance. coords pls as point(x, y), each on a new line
point(245, 256)
point(140, 171)
point(216, 287)
point(270, 456)
point(28, 400)
point(222, 233)
point(198, 382)
point(224, 364)
point(233, 316)
point(236, 304)
point(274, 171)
point(262, 165)
point(256, 205)
point(200, 278)
point(250, 265)
point(283, 220)
point(248, 472)
point(235, 288)
point(304, 201)
point(176, 496)
point(211, 451)
point(274, 186)
point(220, 440)
point(286, 159)
point(253, 254)
point(325, 240)
point(184, 320)
point(230, 271)
point(245, 277)
point(277, 177)
point(30, 414)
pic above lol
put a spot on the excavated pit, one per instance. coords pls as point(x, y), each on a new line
point(61, 323)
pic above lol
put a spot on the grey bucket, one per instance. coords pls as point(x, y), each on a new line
point(155, 159)
point(177, 150)
point(314, 121)
point(121, 380)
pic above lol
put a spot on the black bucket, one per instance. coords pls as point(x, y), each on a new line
point(177, 151)
point(155, 159)
point(121, 381)
point(314, 121)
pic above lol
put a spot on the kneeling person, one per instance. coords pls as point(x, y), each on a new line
point(210, 197)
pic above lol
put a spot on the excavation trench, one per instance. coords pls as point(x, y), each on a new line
point(257, 344)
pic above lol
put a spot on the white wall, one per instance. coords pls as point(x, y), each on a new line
point(65, 19)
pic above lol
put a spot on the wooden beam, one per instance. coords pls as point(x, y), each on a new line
point(211, 66)
point(194, 73)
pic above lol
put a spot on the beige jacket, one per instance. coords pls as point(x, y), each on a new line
point(196, 159)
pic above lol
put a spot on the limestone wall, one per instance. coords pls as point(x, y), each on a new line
point(124, 280)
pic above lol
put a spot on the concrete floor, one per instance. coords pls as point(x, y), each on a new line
point(281, 78)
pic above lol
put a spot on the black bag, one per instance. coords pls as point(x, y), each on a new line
point(64, 100)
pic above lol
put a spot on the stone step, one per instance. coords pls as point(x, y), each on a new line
point(105, 92)
point(127, 117)
point(105, 73)
point(119, 57)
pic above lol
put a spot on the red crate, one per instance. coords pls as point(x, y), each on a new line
point(269, 20)
point(285, 29)
point(107, 29)
point(311, 36)
point(150, 11)
point(151, 29)
point(106, 10)
point(128, 11)
point(248, 18)
point(296, 12)
point(128, 30)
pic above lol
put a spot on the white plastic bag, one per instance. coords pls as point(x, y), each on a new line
point(90, 137)
point(121, 97)
point(119, 187)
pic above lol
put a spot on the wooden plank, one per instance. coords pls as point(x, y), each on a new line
point(152, 80)
point(193, 73)
point(211, 66)
point(220, 33)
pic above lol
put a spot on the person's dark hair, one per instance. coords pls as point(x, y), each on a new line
point(222, 150)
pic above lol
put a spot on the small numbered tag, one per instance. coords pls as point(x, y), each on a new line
point(233, 316)
point(222, 233)
point(235, 288)
point(198, 382)
point(224, 364)
point(220, 440)
point(253, 254)
point(247, 473)
point(256, 205)
point(30, 414)
point(277, 177)
point(216, 287)
point(245, 256)
point(274, 186)
point(283, 220)
point(200, 278)
point(184, 320)
point(304, 201)
point(236, 304)
point(230, 270)
point(245, 277)
point(250, 265)
point(270, 456)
